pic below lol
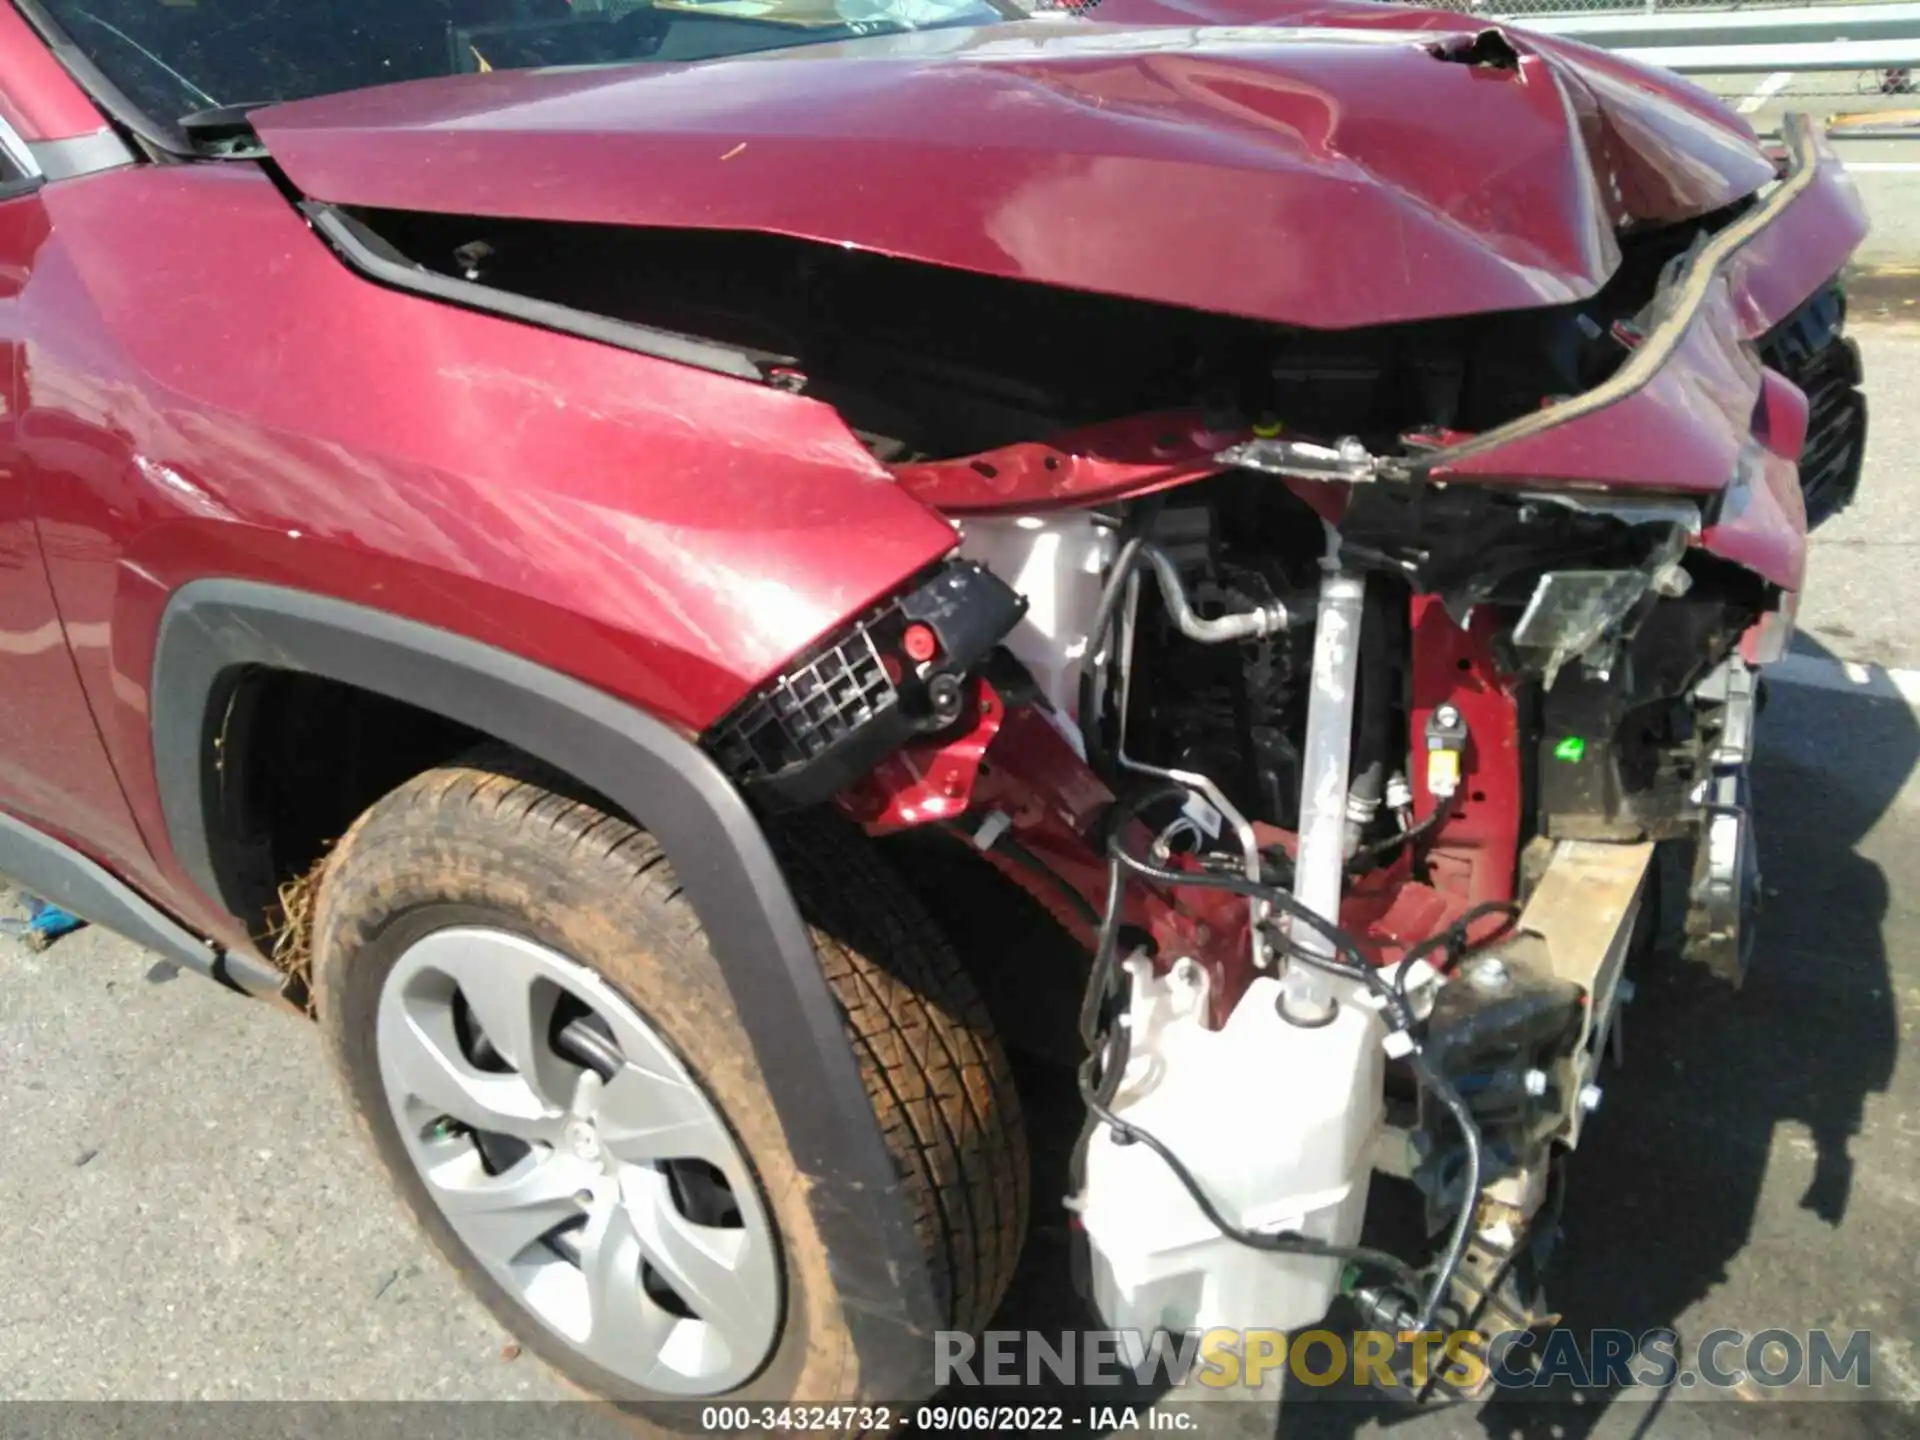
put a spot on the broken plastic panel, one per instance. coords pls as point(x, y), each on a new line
point(1578, 614)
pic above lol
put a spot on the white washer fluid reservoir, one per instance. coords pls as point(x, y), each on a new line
point(1275, 1121)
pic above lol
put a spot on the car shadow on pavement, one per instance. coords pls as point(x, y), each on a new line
point(1666, 1187)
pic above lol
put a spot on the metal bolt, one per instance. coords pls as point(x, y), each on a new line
point(943, 692)
point(1446, 716)
point(583, 1198)
point(1535, 1082)
point(1589, 1098)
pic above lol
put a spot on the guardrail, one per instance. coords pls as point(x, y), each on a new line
point(1733, 41)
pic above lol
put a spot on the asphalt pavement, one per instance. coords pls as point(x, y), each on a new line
point(185, 1213)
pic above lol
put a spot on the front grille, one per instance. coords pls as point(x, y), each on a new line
point(1810, 350)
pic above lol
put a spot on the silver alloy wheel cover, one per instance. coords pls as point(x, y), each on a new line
point(593, 1151)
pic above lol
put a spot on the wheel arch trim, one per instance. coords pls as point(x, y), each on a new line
point(213, 630)
point(48, 867)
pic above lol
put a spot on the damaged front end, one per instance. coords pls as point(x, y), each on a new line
point(1353, 761)
point(1336, 673)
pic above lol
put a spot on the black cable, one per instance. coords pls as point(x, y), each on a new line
point(1373, 730)
point(1470, 1195)
point(1368, 855)
point(1355, 967)
point(1014, 850)
point(1100, 979)
point(1455, 937)
point(1022, 855)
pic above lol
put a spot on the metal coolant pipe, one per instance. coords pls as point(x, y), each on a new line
point(1306, 992)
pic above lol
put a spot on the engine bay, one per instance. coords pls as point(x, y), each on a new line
point(1268, 698)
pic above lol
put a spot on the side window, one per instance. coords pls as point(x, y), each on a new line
point(18, 173)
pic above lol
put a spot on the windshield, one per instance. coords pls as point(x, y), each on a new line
point(173, 58)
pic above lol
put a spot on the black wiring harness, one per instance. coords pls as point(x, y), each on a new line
point(1107, 1045)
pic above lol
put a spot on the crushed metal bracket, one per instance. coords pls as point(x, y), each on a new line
point(1582, 915)
point(1345, 462)
point(1724, 898)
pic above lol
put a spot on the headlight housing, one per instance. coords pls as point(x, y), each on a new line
point(838, 709)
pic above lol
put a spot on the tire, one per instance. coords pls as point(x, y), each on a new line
point(493, 846)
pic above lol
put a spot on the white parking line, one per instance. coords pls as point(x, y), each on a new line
point(1765, 91)
point(1847, 677)
point(1882, 167)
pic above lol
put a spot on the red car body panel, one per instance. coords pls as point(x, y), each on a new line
point(37, 96)
point(1129, 457)
point(207, 390)
point(1682, 431)
point(53, 770)
point(1292, 176)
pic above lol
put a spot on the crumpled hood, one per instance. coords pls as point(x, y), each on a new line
point(1333, 175)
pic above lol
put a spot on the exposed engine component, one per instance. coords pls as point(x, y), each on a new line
point(1248, 680)
point(1498, 1049)
point(1326, 768)
point(1373, 763)
point(1233, 711)
point(1255, 622)
point(916, 356)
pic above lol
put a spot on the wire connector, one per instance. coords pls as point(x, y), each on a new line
point(1446, 750)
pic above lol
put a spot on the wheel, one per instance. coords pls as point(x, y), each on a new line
point(529, 1025)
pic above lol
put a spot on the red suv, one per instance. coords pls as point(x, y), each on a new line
point(630, 554)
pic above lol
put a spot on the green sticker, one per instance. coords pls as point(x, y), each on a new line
point(1570, 750)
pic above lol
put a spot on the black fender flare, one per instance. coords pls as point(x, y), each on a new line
point(214, 629)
